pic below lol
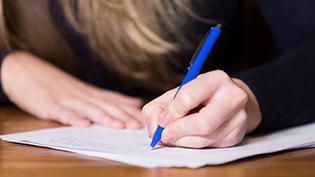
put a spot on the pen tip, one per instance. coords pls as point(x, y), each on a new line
point(151, 148)
point(219, 25)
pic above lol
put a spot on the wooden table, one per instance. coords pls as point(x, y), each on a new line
point(21, 160)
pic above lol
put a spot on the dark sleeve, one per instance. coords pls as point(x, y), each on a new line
point(285, 87)
point(3, 98)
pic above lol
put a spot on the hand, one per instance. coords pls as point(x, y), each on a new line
point(210, 111)
point(51, 94)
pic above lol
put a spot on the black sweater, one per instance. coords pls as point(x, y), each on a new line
point(284, 87)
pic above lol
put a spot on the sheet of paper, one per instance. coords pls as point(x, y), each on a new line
point(132, 146)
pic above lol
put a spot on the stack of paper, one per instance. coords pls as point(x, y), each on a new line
point(132, 146)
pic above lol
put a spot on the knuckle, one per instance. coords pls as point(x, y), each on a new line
point(147, 109)
point(52, 110)
point(205, 127)
point(203, 76)
point(206, 78)
point(184, 101)
point(216, 77)
point(243, 116)
point(64, 116)
point(241, 95)
point(151, 111)
point(119, 112)
point(238, 95)
point(91, 111)
point(165, 96)
point(169, 92)
point(221, 75)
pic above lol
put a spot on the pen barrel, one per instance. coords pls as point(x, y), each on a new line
point(194, 70)
point(202, 55)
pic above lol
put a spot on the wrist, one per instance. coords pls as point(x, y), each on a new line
point(252, 106)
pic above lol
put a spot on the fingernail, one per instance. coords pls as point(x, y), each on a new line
point(167, 138)
point(165, 119)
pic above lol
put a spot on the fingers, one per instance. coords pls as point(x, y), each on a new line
point(67, 116)
point(207, 120)
point(119, 113)
point(235, 137)
point(126, 115)
point(152, 110)
point(71, 100)
point(192, 95)
point(187, 126)
point(112, 95)
point(152, 120)
point(189, 97)
point(231, 139)
point(134, 112)
point(190, 142)
point(132, 101)
point(198, 137)
point(91, 112)
point(224, 112)
point(234, 125)
point(49, 109)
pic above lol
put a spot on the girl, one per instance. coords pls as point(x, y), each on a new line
point(75, 61)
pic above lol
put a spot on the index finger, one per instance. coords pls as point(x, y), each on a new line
point(152, 110)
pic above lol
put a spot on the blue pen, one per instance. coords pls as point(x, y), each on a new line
point(196, 64)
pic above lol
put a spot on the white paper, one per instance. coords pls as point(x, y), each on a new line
point(132, 146)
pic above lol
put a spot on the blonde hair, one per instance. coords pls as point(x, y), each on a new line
point(137, 39)
point(3, 35)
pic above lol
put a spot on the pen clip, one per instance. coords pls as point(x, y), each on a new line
point(200, 45)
